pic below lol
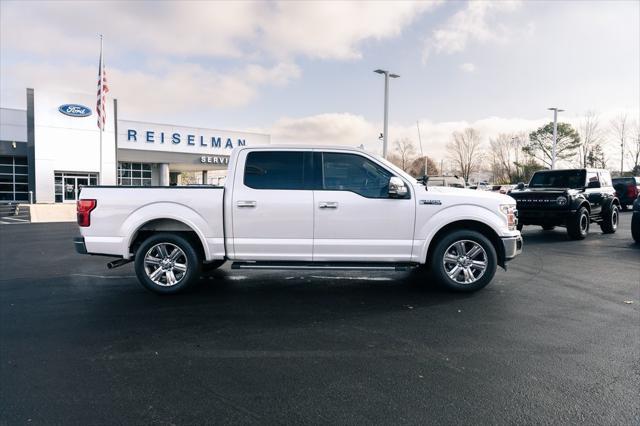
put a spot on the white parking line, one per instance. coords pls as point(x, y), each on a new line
point(16, 219)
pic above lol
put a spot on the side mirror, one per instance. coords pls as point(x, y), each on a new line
point(520, 186)
point(593, 184)
point(397, 188)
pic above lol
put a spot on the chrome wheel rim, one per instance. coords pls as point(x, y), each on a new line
point(465, 261)
point(165, 264)
point(614, 218)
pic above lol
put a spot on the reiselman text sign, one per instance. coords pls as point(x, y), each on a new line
point(167, 138)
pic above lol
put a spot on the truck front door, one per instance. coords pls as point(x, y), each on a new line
point(272, 206)
point(355, 219)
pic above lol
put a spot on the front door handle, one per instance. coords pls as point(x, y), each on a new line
point(328, 205)
point(246, 204)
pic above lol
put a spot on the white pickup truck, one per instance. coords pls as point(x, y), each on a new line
point(301, 208)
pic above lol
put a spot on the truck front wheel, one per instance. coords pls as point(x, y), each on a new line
point(464, 261)
point(167, 263)
point(578, 224)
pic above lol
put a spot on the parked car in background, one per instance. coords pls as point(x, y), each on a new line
point(635, 220)
point(627, 190)
point(572, 198)
point(446, 181)
point(502, 189)
point(482, 186)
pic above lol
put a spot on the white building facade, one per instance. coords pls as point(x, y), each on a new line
point(51, 150)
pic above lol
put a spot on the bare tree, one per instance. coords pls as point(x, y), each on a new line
point(620, 128)
point(406, 151)
point(465, 152)
point(590, 135)
point(634, 148)
point(417, 167)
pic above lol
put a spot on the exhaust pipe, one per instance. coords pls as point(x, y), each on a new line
point(118, 263)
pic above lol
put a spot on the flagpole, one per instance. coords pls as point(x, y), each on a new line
point(100, 180)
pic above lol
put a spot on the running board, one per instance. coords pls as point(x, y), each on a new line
point(344, 266)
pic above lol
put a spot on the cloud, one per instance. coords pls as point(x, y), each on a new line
point(335, 30)
point(354, 130)
point(477, 22)
point(327, 30)
point(188, 87)
point(468, 67)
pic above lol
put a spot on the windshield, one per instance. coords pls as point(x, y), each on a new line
point(573, 179)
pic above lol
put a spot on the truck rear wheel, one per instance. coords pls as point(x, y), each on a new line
point(167, 263)
point(609, 223)
point(464, 261)
point(578, 224)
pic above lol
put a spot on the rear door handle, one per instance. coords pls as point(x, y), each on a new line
point(328, 205)
point(246, 204)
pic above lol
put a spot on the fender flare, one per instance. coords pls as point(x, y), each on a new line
point(471, 213)
point(159, 211)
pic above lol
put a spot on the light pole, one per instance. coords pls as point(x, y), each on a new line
point(385, 138)
point(555, 110)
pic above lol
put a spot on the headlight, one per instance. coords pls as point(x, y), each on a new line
point(510, 212)
point(561, 200)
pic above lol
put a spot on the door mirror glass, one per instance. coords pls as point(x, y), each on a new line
point(397, 188)
point(593, 184)
point(521, 186)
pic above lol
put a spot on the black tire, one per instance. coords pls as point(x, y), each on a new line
point(578, 224)
point(610, 217)
point(188, 259)
point(212, 266)
point(548, 227)
point(447, 245)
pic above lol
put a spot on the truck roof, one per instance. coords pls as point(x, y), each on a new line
point(305, 146)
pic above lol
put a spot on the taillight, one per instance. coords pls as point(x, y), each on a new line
point(83, 210)
point(632, 191)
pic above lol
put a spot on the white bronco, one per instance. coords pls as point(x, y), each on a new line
point(301, 208)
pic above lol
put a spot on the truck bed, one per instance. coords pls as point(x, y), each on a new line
point(122, 212)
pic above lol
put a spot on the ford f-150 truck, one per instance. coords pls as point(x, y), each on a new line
point(301, 208)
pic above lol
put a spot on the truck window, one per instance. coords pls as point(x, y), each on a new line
point(558, 179)
point(276, 169)
point(352, 172)
point(605, 178)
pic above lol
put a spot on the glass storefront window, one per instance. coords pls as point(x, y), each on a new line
point(134, 174)
point(14, 178)
point(69, 184)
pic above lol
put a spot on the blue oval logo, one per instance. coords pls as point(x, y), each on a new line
point(74, 110)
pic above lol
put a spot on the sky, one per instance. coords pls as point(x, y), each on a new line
point(303, 71)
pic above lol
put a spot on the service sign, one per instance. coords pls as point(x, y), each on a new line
point(74, 110)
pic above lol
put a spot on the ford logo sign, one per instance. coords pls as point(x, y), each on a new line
point(74, 110)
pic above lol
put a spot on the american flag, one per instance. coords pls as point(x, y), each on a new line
point(102, 93)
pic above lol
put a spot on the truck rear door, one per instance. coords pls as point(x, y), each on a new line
point(272, 205)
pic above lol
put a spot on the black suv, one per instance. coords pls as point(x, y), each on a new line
point(572, 198)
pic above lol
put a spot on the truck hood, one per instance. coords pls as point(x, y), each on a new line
point(487, 198)
point(546, 191)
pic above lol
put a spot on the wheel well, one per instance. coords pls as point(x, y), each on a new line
point(586, 205)
point(166, 225)
point(480, 227)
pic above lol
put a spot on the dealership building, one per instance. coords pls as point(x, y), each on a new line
point(54, 147)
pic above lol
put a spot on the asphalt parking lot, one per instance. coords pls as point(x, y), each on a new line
point(550, 341)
